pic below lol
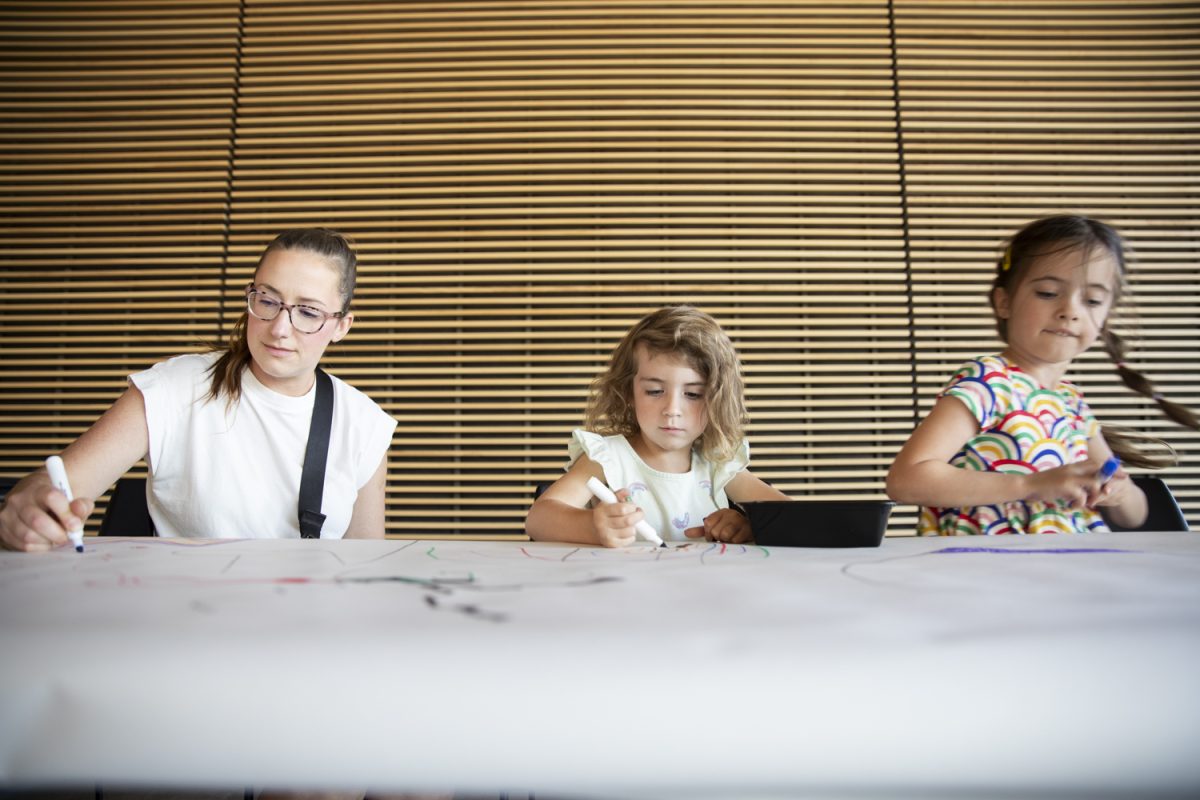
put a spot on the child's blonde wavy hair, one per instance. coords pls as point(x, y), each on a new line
point(695, 337)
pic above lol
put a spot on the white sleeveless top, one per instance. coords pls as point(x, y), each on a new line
point(672, 501)
point(219, 471)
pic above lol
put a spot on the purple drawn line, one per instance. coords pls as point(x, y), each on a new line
point(1039, 550)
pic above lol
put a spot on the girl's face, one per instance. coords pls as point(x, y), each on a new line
point(1058, 309)
point(283, 358)
point(669, 402)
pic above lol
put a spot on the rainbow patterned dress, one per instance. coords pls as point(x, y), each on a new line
point(1023, 427)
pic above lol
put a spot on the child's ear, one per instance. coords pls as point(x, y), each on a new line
point(1000, 302)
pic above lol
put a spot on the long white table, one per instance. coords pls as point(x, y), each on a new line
point(971, 666)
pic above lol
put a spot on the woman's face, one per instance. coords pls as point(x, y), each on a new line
point(283, 358)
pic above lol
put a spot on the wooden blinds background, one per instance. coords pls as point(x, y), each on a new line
point(526, 179)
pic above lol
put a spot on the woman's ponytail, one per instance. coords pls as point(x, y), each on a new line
point(227, 370)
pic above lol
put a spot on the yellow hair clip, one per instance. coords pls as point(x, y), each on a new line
point(1004, 265)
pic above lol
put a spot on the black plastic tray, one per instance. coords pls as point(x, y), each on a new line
point(818, 523)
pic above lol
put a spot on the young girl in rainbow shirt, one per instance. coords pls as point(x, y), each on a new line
point(665, 434)
point(1011, 446)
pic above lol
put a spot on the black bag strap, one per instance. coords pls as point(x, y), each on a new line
point(312, 478)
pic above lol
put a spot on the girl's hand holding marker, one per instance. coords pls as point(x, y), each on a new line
point(605, 496)
point(1109, 469)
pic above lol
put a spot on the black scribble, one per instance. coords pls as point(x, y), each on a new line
point(201, 607)
point(446, 587)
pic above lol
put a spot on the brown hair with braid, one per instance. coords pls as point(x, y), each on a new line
point(1061, 233)
point(695, 337)
point(335, 248)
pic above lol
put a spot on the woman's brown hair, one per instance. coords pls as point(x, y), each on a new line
point(334, 247)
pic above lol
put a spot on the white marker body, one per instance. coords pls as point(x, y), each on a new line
point(605, 495)
point(58, 477)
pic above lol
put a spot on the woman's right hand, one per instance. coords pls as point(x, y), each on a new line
point(613, 522)
point(36, 516)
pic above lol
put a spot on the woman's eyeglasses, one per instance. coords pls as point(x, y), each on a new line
point(305, 319)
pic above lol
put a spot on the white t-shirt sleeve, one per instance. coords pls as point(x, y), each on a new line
point(594, 446)
point(373, 428)
point(728, 470)
point(169, 389)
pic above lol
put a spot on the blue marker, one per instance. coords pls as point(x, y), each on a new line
point(58, 477)
point(1109, 469)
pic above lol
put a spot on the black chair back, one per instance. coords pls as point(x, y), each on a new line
point(127, 513)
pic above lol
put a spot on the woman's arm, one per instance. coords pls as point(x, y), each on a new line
point(36, 516)
point(369, 517)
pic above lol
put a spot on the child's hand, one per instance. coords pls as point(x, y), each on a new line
point(723, 525)
point(613, 522)
point(1071, 485)
point(1113, 493)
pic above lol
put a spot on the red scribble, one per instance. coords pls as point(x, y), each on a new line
point(528, 554)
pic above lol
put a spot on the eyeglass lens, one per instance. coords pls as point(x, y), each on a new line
point(305, 319)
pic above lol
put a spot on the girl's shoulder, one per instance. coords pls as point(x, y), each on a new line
point(987, 368)
point(724, 471)
point(601, 449)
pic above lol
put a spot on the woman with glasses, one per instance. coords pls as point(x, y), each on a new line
point(224, 433)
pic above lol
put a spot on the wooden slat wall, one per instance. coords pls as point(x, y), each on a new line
point(1015, 110)
point(115, 142)
point(526, 179)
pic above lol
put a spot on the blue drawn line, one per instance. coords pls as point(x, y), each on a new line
point(1040, 550)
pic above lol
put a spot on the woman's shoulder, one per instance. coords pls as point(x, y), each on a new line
point(186, 368)
point(354, 398)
